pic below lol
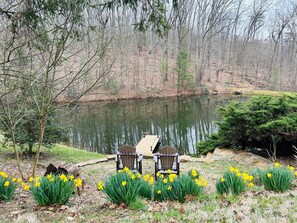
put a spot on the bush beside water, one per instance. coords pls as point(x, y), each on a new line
point(261, 122)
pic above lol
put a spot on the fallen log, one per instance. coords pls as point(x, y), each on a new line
point(69, 169)
point(62, 167)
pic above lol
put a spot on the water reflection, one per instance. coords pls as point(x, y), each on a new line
point(102, 127)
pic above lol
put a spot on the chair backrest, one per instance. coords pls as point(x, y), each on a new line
point(167, 161)
point(127, 149)
point(128, 156)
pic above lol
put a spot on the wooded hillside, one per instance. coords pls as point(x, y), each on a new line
point(225, 42)
point(246, 43)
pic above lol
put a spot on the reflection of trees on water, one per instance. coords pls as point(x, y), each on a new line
point(181, 122)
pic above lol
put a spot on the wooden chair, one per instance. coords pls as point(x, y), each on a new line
point(127, 157)
point(166, 159)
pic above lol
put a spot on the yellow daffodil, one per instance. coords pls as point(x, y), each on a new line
point(63, 177)
point(78, 182)
point(231, 169)
point(6, 184)
point(31, 179)
point(269, 175)
point(169, 188)
point(205, 183)
point(19, 180)
point(247, 177)
point(146, 177)
point(26, 187)
point(139, 176)
point(194, 173)
point(251, 184)
point(151, 180)
point(296, 173)
point(199, 182)
point(291, 168)
point(37, 184)
point(126, 169)
point(222, 179)
point(159, 192)
point(133, 177)
point(172, 177)
point(100, 185)
point(14, 179)
point(71, 177)
point(276, 164)
point(169, 171)
point(165, 181)
point(124, 183)
point(51, 179)
point(3, 174)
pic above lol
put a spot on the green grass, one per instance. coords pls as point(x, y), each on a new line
point(246, 91)
point(72, 155)
point(60, 152)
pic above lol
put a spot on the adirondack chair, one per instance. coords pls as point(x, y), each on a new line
point(166, 159)
point(127, 157)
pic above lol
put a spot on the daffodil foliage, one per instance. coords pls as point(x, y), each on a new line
point(52, 189)
point(7, 187)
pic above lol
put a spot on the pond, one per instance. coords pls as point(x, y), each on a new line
point(181, 122)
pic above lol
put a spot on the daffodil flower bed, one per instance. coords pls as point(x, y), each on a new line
point(125, 186)
point(7, 187)
point(180, 187)
point(234, 181)
point(52, 189)
point(278, 178)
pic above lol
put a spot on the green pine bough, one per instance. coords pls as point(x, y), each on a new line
point(265, 122)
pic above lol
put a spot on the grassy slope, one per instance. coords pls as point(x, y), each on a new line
point(72, 155)
point(247, 91)
point(60, 152)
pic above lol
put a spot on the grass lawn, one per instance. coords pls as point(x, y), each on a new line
point(247, 91)
point(72, 155)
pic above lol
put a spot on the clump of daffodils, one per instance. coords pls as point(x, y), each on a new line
point(52, 189)
point(234, 181)
point(278, 178)
point(174, 187)
point(125, 186)
point(7, 186)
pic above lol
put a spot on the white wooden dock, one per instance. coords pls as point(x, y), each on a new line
point(147, 144)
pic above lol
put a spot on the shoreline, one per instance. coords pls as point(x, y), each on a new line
point(225, 91)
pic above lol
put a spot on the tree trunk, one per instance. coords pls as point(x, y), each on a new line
point(41, 134)
point(16, 154)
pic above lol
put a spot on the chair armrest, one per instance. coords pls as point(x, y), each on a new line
point(139, 157)
point(156, 158)
point(178, 158)
point(117, 157)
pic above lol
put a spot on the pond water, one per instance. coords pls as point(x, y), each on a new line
point(181, 122)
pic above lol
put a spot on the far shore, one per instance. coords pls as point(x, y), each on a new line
point(222, 91)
